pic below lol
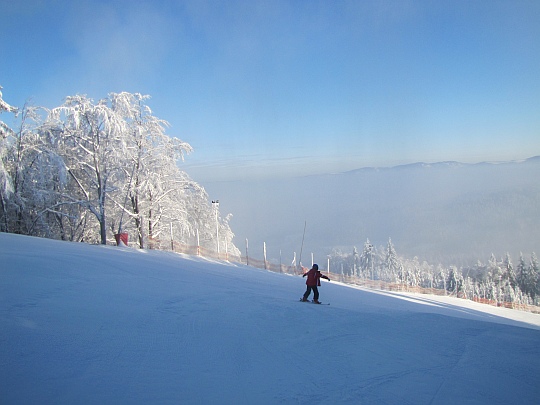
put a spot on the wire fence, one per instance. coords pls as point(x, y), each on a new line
point(346, 279)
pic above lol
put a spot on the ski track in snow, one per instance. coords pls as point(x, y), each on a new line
point(101, 324)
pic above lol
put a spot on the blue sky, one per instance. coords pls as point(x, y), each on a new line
point(294, 87)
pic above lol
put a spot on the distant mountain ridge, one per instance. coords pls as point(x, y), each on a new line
point(449, 163)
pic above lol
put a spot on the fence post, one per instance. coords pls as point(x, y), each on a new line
point(172, 239)
point(198, 244)
point(247, 252)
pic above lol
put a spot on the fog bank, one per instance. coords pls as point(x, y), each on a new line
point(447, 212)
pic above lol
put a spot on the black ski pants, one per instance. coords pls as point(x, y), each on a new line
point(315, 292)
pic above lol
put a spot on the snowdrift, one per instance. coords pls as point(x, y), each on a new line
point(100, 324)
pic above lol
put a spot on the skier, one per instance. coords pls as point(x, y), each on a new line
point(313, 280)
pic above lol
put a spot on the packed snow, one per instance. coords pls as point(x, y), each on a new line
point(86, 324)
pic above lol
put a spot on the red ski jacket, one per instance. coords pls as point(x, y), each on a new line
point(314, 277)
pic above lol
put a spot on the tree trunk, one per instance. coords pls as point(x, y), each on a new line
point(102, 222)
point(150, 229)
point(138, 222)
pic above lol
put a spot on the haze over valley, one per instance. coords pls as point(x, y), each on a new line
point(448, 212)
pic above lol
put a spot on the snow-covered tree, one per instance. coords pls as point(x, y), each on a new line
point(495, 272)
point(366, 260)
point(534, 276)
point(392, 264)
point(6, 186)
point(426, 276)
point(26, 166)
point(356, 262)
point(5, 107)
point(33, 177)
point(92, 168)
point(151, 177)
point(454, 283)
point(470, 290)
point(521, 273)
point(508, 271)
point(508, 292)
point(440, 278)
point(92, 138)
point(527, 276)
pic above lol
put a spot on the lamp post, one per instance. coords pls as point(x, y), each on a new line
point(328, 265)
point(371, 260)
point(215, 204)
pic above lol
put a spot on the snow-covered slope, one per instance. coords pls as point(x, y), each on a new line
point(84, 324)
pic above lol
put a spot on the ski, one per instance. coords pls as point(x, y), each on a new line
point(316, 303)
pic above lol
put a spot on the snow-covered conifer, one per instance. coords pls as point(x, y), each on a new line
point(534, 277)
point(521, 273)
point(392, 263)
point(508, 271)
point(366, 260)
